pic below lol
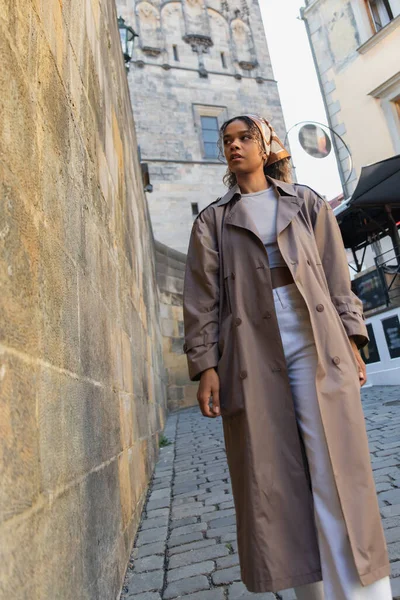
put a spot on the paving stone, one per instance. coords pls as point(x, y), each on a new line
point(178, 501)
point(392, 535)
point(159, 512)
point(161, 485)
point(189, 511)
point(217, 498)
point(220, 531)
point(179, 531)
point(185, 539)
point(228, 537)
point(200, 568)
point(217, 514)
point(396, 588)
point(181, 488)
point(145, 596)
point(383, 487)
point(149, 563)
point(228, 561)
point(149, 549)
point(186, 586)
point(391, 522)
point(288, 595)
point(193, 546)
point(226, 505)
point(391, 511)
point(198, 555)
point(393, 496)
point(152, 535)
point(226, 576)
point(214, 594)
point(395, 569)
point(218, 523)
point(389, 462)
point(182, 522)
point(147, 582)
point(154, 504)
point(238, 591)
point(394, 551)
point(154, 523)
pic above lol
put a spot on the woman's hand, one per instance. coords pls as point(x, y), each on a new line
point(209, 390)
point(362, 370)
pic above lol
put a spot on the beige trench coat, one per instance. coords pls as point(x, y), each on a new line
point(230, 324)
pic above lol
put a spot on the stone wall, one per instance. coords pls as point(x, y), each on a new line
point(170, 266)
point(82, 381)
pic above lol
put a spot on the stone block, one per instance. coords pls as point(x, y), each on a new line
point(186, 586)
point(152, 535)
point(154, 523)
point(185, 539)
point(198, 555)
point(20, 436)
point(187, 529)
point(198, 568)
point(154, 562)
point(147, 582)
point(193, 546)
point(226, 576)
point(238, 591)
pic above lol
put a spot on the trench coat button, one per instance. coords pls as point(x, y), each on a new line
point(238, 321)
point(233, 276)
point(243, 374)
point(267, 315)
point(320, 307)
point(308, 261)
point(336, 360)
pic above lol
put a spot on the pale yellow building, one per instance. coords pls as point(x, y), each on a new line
point(356, 48)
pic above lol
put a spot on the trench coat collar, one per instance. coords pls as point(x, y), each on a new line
point(289, 205)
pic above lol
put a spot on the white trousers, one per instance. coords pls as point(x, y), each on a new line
point(340, 578)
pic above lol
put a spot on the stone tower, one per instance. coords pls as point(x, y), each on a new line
point(195, 64)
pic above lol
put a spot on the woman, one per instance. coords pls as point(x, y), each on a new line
point(272, 332)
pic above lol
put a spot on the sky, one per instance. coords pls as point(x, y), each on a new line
point(299, 90)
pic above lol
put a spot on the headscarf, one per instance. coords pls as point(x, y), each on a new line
point(273, 146)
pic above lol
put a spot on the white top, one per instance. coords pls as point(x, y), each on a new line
point(263, 209)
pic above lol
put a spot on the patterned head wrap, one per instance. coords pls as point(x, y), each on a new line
point(273, 146)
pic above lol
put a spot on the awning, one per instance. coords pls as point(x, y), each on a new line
point(364, 214)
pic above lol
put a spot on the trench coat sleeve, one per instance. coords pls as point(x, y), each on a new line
point(334, 261)
point(201, 297)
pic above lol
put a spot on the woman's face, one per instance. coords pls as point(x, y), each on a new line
point(242, 149)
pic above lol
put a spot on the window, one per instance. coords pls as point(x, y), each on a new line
point(195, 209)
point(207, 120)
point(175, 50)
point(223, 60)
point(388, 94)
point(210, 133)
point(380, 13)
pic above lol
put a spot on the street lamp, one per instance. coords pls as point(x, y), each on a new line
point(314, 140)
point(127, 35)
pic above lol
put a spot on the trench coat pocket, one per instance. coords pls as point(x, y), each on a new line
point(228, 369)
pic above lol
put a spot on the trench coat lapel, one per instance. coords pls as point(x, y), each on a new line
point(288, 207)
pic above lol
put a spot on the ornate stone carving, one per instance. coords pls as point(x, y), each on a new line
point(199, 43)
point(243, 44)
point(149, 29)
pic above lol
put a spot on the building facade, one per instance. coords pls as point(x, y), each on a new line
point(196, 63)
point(356, 48)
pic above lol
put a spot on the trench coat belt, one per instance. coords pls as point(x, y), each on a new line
point(200, 340)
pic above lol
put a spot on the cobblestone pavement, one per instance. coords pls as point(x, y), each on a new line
point(186, 544)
